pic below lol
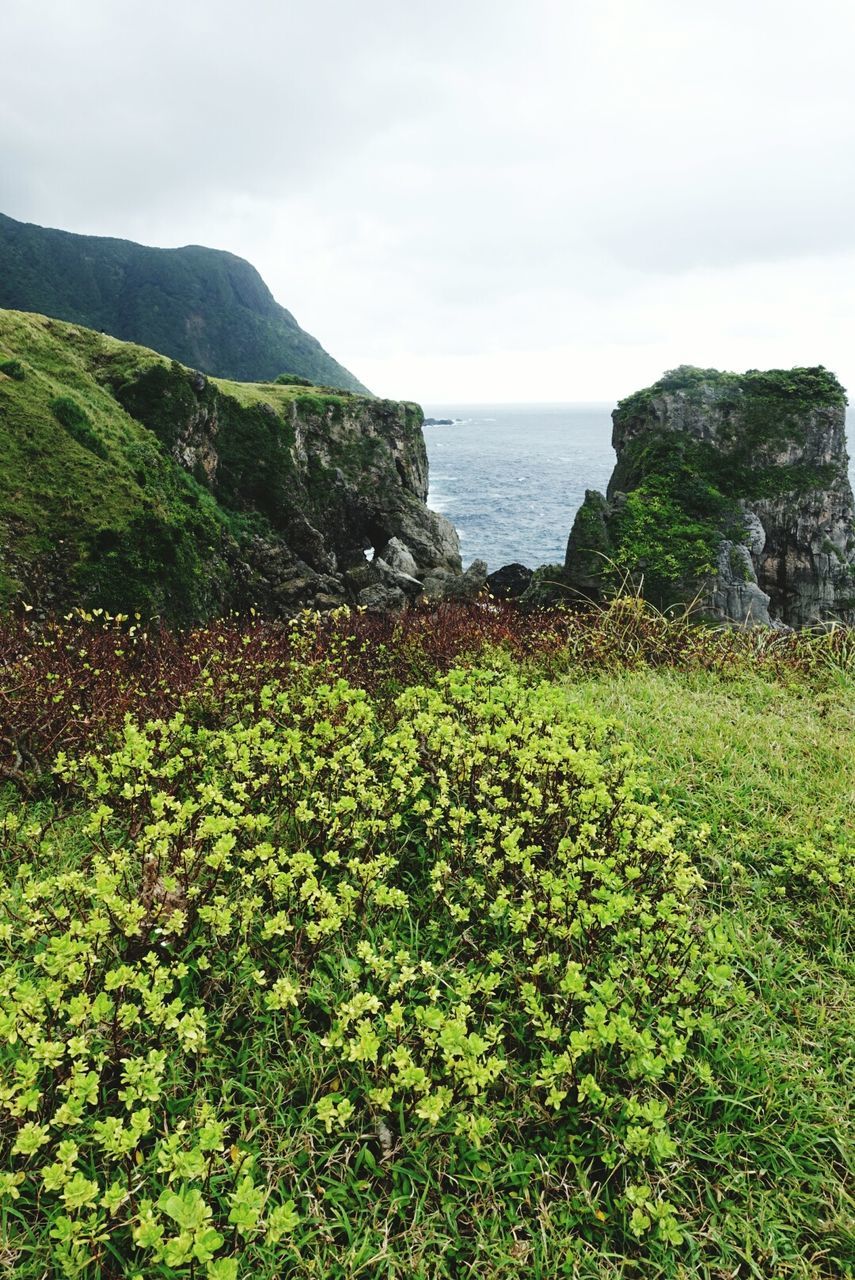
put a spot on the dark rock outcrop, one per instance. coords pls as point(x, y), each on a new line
point(339, 478)
point(730, 492)
point(509, 582)
point(443, 585)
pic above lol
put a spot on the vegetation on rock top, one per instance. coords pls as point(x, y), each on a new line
point(799, 387)
point(681, 488)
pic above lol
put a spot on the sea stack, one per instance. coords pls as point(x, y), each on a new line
point(730, 491)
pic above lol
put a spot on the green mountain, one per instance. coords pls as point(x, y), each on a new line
point(206, 308)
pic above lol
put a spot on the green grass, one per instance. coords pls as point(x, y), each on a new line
point(769, 1146)
point(90, 507)
point(747, 777)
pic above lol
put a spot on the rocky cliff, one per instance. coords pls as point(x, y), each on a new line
point(132, 482)
point(731, 490)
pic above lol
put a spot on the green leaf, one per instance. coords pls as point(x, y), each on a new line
point(224, 1269)
point(187, 1208)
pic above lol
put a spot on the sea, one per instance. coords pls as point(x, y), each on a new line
point(511, 477)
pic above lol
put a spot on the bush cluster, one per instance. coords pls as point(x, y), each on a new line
point(458, 924)
point(67, 682)
point(13, 369)
point(77, 424)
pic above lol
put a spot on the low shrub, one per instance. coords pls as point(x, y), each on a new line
point(295, 960)
point(13, 369)
point(77, 424)
point(67, 683)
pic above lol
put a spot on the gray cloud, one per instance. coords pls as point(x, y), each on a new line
point(554, 198)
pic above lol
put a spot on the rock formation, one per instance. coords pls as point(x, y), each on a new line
point(730, 491)
point(510, 581)
point(342, 480)
point(151, 486)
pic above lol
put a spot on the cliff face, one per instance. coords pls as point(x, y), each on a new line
point(207, 308)
point(732, 489)
point(336, 478)
point(130, 481)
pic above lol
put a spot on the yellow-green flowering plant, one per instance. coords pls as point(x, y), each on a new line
point(322, 937)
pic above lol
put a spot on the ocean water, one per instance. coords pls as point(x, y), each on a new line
point(511, 478)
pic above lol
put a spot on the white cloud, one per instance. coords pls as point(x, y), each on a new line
point(467, 200)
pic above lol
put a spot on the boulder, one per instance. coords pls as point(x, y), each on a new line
point(547, 589)
point(381, 599)
point(389, 577)
point(464, 587)
point(357, 578)
point(398, 555)
point(509, 582)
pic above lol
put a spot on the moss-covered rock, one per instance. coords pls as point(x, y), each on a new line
point(130, 481)
point(705, 460)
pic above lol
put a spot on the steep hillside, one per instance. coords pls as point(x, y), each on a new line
point(132, 482)
point(204, 307)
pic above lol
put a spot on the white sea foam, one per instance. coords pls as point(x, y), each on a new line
point(511, 479)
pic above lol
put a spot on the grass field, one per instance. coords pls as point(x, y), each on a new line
point(466, 944)
point(769, 768)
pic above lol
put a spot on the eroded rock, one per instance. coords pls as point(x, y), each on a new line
point(729, 490)
point(397, 554)
point(443, 585)
point(332, 476)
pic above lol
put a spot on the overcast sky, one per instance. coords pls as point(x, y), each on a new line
point(468, 200)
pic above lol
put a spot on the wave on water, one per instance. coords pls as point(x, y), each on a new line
point(510, 480)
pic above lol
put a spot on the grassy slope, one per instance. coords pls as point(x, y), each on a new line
point(770, 1143)
point(51, 486)
point(59, 499)
point(207, 308)
point(762, 1117)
